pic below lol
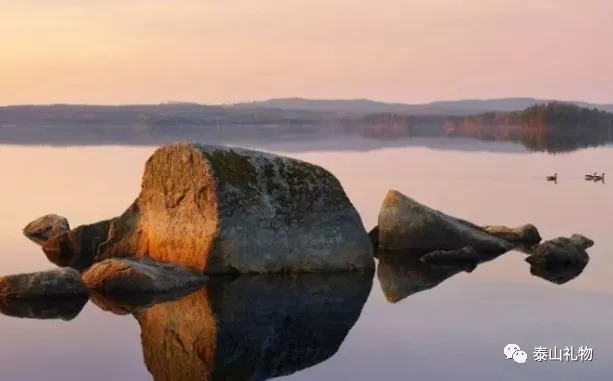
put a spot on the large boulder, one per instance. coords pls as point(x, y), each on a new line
point(139, 276)
point(221, 210)
point(405, 224)
point(561, 251)
point(57, 283)
point(525, 235)
point(45, 227)
point(77, 248)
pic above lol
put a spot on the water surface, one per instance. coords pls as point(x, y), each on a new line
point(454, 330)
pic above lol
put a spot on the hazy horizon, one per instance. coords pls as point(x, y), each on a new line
point(151, 52)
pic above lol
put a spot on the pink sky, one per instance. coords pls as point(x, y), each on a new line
point(151, 51)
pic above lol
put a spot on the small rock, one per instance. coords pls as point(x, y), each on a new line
point(121, 275)
point(45, 227)
point(561, 251)
point(526, 235)
point(57, 283)
point(77, 248)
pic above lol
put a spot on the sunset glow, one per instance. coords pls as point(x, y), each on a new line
point(136, 51)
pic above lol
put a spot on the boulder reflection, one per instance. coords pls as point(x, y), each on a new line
point(251, 327)
point(402, 274)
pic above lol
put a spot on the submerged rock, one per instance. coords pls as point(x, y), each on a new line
point(45, 227)
point(65, 308)
point(525, 235)
point(228, 210)
point(561, 251)
point(57, 283)
point(139, 276)
point(466, 256)
point(77, 248)
point(252, 327)
point(405, 224)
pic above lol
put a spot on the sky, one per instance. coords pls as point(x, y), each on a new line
point(211, 51)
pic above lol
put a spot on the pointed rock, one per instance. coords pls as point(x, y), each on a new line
point(405, 224)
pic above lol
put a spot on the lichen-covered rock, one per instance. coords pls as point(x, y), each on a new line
point(122, 275)
point(77, 248)
point(252, 327)
point(229, 210)
point(526, 235)
point(57, 283)
point(45, 227)
point(405, 224)
point(561, 251)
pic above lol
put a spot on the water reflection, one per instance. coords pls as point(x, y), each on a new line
point(557, 274)
point(251, 328)
point(64, 309)
point(402, 274)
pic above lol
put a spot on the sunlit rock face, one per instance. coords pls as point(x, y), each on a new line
point(139, 276)
point(229, 210)
point(405, 224)
point(525, 235)
point(253, 327)
point(77, 248)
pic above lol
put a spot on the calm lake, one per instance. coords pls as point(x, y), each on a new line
point(332, 327)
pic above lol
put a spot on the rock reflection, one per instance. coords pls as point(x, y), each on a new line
point(251, 327)
point(402, 274)
point(59, 308)
point(557, 274)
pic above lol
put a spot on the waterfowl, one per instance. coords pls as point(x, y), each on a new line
point(553, 178)
point(599, 178)
point(590, 177)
